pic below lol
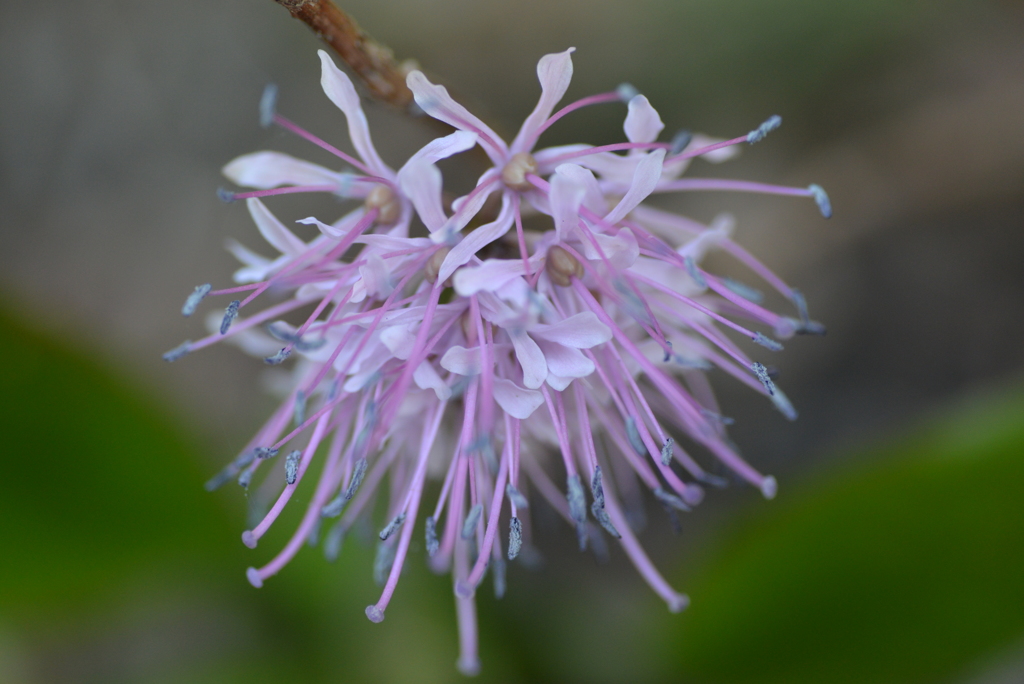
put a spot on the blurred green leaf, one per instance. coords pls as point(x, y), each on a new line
point(907, 569)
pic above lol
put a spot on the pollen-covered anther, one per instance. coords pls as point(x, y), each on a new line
point(562, 266)
point(519, 166)
point(386, 202)
point(433, 265)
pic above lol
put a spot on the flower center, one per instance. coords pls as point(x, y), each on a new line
point(562, 266)
point(433, 265)
point(515, 172)
point(386, 202)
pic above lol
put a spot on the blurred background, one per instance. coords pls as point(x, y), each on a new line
point(893, 552)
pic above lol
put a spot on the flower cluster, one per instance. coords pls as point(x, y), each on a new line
point(447, 341)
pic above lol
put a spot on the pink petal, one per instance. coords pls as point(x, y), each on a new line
point(376, 277)
point(594, 198)
point(447, 146)
point(273, 231)
point(265, 170)
point(642, 122)
point(489, 276)
point(581, 331)
point(514, 400)
point(620, 250)
point(477, 240)
point(339, 228)
point(342, 93)
point(566, 196)
point(645, 179)
point(554, 73)
point(421, 182)
point(436, 102)
point(531, 358)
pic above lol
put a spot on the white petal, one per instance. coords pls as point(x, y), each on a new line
point(376, 277)
point(265, 170)
point(557, 382)
point(718, 156)
point(461, 253)
point(531, 358)
point(399, 339)
point(554, 73)
point(462, 361)
point(620, 250)
point(282, 239)
point(581, 331)
point(567, 192)
point(342, 93)
point(421, 182)
point(334, 231)
point(648, 171)
point(565, 362)
point(642, 122)
point(426, 377)
point(514, 400)
point(594, 198)
point(489, 276)
point(466, 208)
point(393, 243)
point(436, 102)
point(442, 148)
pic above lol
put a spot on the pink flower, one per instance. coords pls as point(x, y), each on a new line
point(471, 356)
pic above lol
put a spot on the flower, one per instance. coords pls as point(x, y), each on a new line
point(470, 355)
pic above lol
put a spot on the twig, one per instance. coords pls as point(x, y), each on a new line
point(371, 61)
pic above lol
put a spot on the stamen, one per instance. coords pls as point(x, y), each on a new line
point(179, 351)
point(382, 563)
point(762, 374)
point(679, 142)
point(265, 452)
point(783, 404)
point(498, 563)
point(578, 508)
point(698, 277)
point(268, 105)
point(758, 134)
point(766, 342)
point(670, 501)
point(633, 434)
point(193, 299)
point(333, 509)
point(230, 314)
point(626, 92)
point(515, 537)
point(392, 526)
point(666, 451)
point(597, 507)
point(744, 290)
point(562, 267)
point(300, 407)
point(516, 497)
point(278, 358)
point(432, 541)
point(291, 466)
point(471, 521)
point(800, 302)
point(821, 197)
point(769, 487)
point(225, 195)
point(517, 169)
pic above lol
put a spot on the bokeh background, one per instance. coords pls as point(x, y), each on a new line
point(895, 548)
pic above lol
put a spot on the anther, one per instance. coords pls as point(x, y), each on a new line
point(392, 526)
point(499, 577)
point(666, 451)
point(291, 466)
point(433, 265)
point(515, 537)
point(278, 358)
point(679, 142)
point(562, 267)
point(375, 614)
point(518, 167)
point(225, 195)
point(382, 562)
point(626, 92)
point(333, 541)
point(797, 297)
point(577, 499)
point(597, 507)
point(268, 105)
point(633, 434)
point(179, 351)
point(470, 523)
point(744, 290)
point(762, 374)
point(821, 197)
point(698, 277)
point(758, 134)
point(230, 314)
point(769, 487)
point(193, 299)
point(253, 575)
point(766, 342)
point(386, 202)
point(432, 542)
point(669, 500)
point(265, 452)
point(245, 478)
point(357, 479)
point(783, 404)
point(516, 496)
point(300, 407)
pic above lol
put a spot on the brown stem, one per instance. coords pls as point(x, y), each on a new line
point(371, 61)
